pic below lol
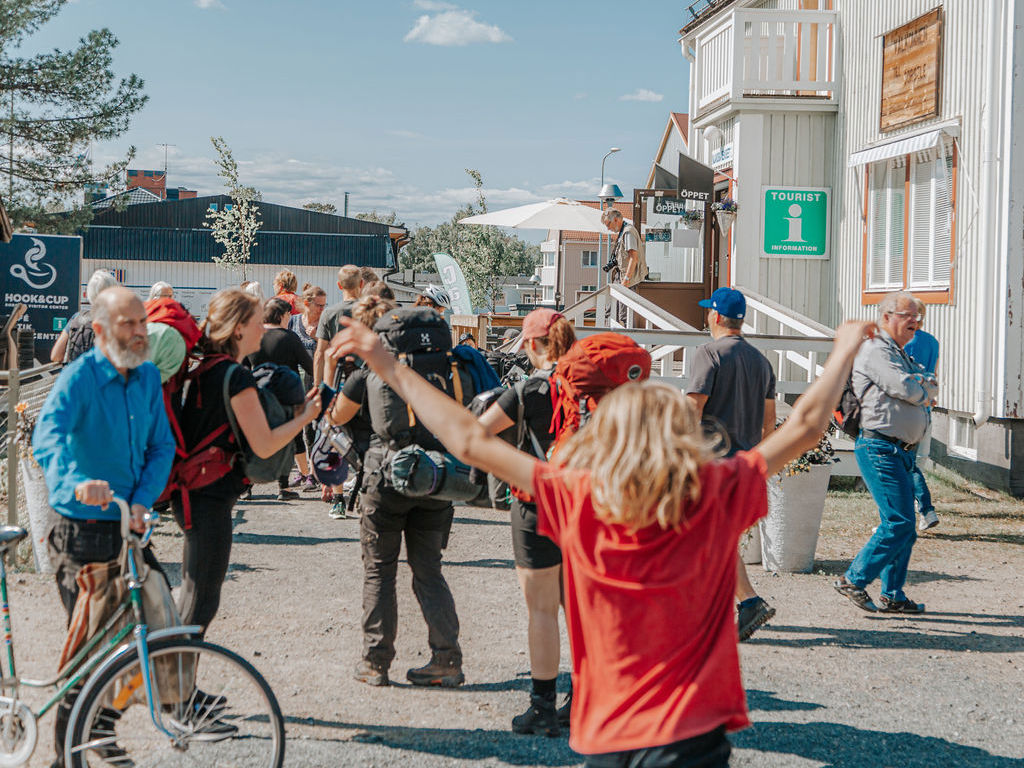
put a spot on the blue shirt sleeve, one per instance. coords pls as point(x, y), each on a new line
point(54, 427)
point(159, 446)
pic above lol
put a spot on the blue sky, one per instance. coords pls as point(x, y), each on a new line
point(392, 100)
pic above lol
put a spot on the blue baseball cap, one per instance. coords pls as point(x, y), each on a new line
point(728, 302)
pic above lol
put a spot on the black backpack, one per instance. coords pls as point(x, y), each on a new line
point(81, 337)
point(257, 469)
point(422, 340)
point(848, 411)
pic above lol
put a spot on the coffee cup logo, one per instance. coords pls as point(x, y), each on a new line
point(36, 275)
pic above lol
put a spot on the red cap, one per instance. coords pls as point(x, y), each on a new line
point(537, 324)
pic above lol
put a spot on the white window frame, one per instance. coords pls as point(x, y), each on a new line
point(588, 263)
point(963, 437)
point(910, 245)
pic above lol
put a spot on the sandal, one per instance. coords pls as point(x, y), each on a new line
point(855, 595)
point(906, 605)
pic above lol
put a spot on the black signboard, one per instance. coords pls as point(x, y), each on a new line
point(43, 272)
point(696, 181)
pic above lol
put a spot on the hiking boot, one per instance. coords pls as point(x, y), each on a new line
point(310, 485)
point(541, 718)
point(283, 494)
point(446, 673)
point(928, 520)
point(753, 613)
point(371, 673)
point(565, 711)
point(855, 595)
point(338, 511)
point(906, 605)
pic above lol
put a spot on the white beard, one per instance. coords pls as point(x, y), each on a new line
point(122, 356)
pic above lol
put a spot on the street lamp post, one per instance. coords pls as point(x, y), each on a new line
point(601, 236)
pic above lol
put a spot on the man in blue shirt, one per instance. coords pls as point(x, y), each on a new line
point(102, 432)
point(924, 349)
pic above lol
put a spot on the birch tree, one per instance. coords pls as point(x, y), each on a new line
point(234, 226)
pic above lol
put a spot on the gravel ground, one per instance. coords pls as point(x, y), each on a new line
point(826, 684)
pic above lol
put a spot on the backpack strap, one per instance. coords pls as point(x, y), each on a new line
point(456, 379)
point(232, 420)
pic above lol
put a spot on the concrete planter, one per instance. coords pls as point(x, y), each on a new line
point(789, 534)
point(40, 515)
point(750, 545)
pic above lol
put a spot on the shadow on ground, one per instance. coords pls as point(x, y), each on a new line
point(460, 743)
point(914, 576)
point(933, 639)
point(843, 746)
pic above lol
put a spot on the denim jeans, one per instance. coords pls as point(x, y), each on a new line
point(922, 495)
point(888, 473)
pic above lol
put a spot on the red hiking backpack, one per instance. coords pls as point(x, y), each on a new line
point(204, 463)
point(592, 368)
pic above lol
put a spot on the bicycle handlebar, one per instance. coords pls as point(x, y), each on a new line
point(150, 519)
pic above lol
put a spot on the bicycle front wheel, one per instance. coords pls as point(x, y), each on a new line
point(215, 709)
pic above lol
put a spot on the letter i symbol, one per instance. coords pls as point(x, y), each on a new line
point(796, 224)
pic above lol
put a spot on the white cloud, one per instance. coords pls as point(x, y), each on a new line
point(642, 94)
point(454, 27)
point(404, 134)
point(207, 4)
point(294, 181)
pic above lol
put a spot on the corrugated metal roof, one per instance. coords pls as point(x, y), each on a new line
point(191, 214)
point(273, 247)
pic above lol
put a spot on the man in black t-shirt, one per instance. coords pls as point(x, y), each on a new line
point(733, 384)
point(350, 283)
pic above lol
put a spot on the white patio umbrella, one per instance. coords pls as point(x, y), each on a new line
point(553, 214)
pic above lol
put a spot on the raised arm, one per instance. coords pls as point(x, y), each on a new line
point(802, 430)
point(459, 430)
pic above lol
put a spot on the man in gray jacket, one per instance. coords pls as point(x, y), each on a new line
point(894, 393)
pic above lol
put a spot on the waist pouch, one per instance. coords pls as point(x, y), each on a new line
point(414, 471)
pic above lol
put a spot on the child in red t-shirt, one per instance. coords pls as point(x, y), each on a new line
point(648, 523)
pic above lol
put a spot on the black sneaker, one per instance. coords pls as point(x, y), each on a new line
point(855, 595)
point(565, 711)
point(906, 605)
point(445, 673)
point(371, 673)
point(753, 613)
point(541, 718)
point(283, 494)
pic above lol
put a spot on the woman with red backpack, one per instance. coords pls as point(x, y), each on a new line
point(648, 523)
point(528, 408)
point(233, 329)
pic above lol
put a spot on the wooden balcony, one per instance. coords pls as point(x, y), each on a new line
point(747, 55)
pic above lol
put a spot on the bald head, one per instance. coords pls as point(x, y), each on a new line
point(119, 321)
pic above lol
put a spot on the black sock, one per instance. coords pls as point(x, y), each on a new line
point(544, 687)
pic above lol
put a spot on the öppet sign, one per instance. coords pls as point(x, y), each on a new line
point(795, 222)
point(43, 272)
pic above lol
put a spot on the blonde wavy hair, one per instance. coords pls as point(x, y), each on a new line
point(644, 449)
point(228, 309)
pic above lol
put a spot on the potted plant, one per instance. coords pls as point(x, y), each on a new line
point(725, 211)
point(796, 501)
point(37, 496)
point(692, 218)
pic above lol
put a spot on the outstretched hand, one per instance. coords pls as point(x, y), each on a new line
point(853, 333)
point(356, 339)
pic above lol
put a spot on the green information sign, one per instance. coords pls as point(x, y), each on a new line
point(796, 222)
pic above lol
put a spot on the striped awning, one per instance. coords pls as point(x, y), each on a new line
point(922, 142)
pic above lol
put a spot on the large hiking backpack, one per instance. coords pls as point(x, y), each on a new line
point(422, 340)
point(256, 468)
point(592, 368)
point(81, 337)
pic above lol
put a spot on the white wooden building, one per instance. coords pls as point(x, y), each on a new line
point(883, 131)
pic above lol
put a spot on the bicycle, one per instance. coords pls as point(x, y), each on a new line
point(199, 703)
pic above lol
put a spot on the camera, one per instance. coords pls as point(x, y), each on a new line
point(613, 262)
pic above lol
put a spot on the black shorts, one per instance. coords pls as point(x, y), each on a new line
point(531, 550)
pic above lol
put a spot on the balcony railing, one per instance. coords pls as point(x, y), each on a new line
point(763, 54)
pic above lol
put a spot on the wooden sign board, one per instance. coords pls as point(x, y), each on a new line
point(911, 72)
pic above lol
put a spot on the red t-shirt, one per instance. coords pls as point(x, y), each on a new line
point(293, 301)
point(650, 614)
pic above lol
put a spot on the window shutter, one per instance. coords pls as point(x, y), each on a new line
point(943, 252)
point(877, 226)
point(894, 254)
point(922, 224)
